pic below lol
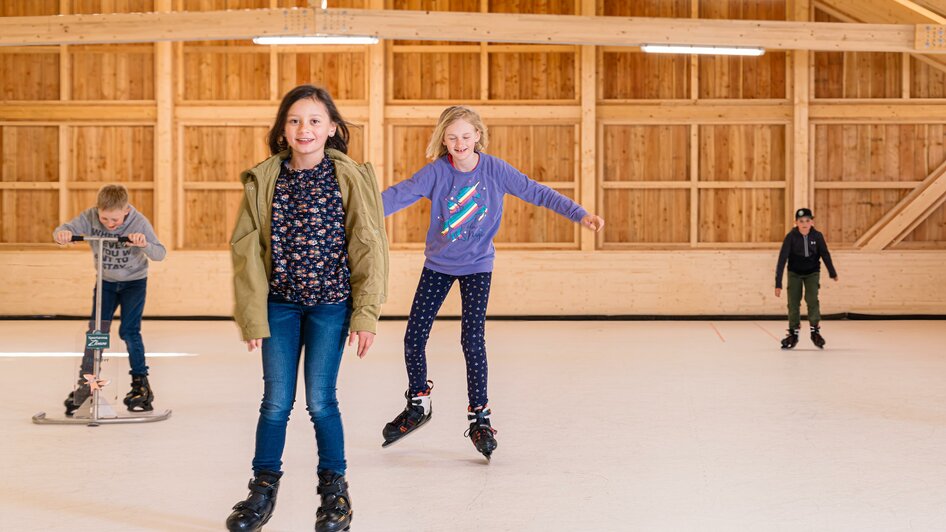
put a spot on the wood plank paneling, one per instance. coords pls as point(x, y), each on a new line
point(28, 8)
point(532, 76)
point(342, 74)
point(640, 76)
point(856, 74)
point(843, 215)
point(753, 152)
point(28, 216)
point(645, 8)
point(877, 152)
point(646, 153)
point(109, 6)
point(124, 72)
point(743, 77)
point(539, 7)
point(209, 216)
point(741, 215)
point(926, 81)
point(219, 154)
point(223, 75)
point(29, 154)
point(652, 216)
point(29, 76)
point(633, 75)
point(113, 154)
point(436, 76)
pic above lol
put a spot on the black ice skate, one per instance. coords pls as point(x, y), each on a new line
point(816, 337)
point(480, 431)
point(791, 339)
point(417, 412)
point(140, 397)
point(334, 514)
point(250, 515)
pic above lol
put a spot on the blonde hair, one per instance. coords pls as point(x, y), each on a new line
point(436, 149)
point(112, 197)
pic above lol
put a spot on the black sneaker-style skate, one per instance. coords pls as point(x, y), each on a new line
point(417, 412)
point(816, 337)
point(140, 397)
point(481, 431)
point(334, 514)
point(76, 398)
point(250, 515)
point(791, 339)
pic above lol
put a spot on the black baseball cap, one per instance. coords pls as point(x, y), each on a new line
point(804, 212)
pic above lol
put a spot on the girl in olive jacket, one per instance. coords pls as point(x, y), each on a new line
point(310, 261)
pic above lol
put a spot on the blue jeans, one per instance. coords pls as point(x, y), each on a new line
point(321, 330)
point(130, 295)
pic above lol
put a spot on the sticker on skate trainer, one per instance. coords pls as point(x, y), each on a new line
point(96, 340)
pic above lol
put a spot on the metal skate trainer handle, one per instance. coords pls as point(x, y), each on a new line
point(80, 238)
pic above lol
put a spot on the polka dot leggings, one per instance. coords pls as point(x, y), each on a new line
point(431, 292)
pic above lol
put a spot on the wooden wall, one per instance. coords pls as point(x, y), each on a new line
point(682, 155)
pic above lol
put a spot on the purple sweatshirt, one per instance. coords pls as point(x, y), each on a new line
point(466, 209)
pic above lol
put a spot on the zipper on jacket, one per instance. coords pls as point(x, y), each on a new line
point(806, 245)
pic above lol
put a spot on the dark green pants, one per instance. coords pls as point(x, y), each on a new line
point(810, 283)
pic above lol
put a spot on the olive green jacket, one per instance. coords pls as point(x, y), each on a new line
point(252, 256)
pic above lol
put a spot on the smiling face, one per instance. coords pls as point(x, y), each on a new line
point(113, 218)
point(308, 127)
point(460, 139)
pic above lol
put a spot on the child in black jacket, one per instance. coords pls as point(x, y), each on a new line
point(804, 248)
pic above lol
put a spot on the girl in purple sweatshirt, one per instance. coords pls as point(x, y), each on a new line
point(465, 187)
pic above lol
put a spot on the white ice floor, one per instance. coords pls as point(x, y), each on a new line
point(617, 426)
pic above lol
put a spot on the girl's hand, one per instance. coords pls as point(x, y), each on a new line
point(254, 344)
point(593, 222)
point(64, 237)
point(365, 339)
point(137, 240)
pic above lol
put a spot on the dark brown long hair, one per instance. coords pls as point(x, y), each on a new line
point(277, 142)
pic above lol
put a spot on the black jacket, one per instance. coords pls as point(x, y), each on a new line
point(803, 253)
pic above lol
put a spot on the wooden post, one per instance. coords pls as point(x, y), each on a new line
point(801, 190)
point(376, 98)
point(163, 135)
point(588, 175)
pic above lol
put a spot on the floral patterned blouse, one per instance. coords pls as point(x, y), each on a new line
point(310, 258)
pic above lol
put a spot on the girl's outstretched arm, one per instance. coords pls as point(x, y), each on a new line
point(409, 191)
point(520, 186)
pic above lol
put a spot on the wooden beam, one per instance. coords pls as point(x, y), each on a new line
point(908, 213)
point(852, 112)
point(54, 112)
point(467, 27)
point(699, 112)
point(886, 12)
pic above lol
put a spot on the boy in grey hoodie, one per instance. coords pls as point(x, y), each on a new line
point(124, 283)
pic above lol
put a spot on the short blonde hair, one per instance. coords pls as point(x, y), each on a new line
point(112, 197)
point(436, 149)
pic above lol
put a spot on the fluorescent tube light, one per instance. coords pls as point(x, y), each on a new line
point(706, 50)
point(316, 39)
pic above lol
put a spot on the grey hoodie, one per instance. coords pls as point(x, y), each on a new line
point(122, 262)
